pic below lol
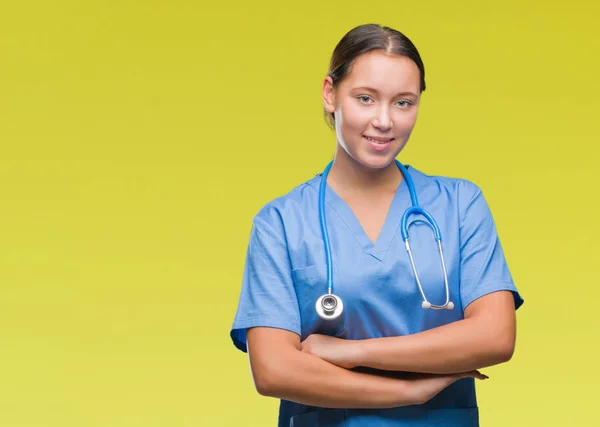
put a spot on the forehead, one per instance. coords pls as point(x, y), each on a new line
point(384, 71)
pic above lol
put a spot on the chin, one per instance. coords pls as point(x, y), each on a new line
point(376, 162)
point(367, 158)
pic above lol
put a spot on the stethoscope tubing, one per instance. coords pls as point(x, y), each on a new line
point(414, 209)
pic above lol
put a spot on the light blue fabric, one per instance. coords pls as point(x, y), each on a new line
point(285, 273)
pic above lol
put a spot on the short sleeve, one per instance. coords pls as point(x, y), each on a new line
point(267, 296)
point(483, 266)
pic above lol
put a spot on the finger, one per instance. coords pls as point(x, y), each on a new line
point(479, 375)
point(473, 374)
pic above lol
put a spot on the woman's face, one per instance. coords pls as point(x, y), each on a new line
point(375, 107)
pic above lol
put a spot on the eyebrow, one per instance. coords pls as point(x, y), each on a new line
point(375, 91)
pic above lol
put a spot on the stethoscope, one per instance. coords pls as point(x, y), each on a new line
point(330, 306)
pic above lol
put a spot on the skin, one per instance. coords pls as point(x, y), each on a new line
point(378, 98)
point(485, 337)
point(282, 370)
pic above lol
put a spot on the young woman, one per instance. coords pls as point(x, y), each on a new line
point(357, 308)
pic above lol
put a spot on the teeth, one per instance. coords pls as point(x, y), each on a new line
point(377, 142)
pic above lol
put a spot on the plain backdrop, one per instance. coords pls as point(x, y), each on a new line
point(139, 138)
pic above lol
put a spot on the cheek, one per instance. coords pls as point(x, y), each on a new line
point(404, 122)
point(352, 117)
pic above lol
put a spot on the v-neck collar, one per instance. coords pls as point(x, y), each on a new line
point(391, 225)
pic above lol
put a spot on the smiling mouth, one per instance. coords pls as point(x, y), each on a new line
point(381, 141)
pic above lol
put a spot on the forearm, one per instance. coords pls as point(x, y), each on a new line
point(306, 379)
point(456, 347)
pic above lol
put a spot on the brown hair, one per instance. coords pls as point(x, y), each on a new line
point(363, 39)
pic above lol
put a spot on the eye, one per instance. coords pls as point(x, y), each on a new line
point(404, 104)
point(364, 99)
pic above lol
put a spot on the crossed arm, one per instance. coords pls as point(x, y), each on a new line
point(485, 337)
point(315, 371)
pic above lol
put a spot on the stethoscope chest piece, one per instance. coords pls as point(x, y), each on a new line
point(329, 307)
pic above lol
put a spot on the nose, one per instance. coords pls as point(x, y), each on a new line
point(382, 119)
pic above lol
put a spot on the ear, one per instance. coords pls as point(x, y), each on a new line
point(328, 95)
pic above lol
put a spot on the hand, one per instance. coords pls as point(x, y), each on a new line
point(340, 352)
point(426, 386)
point(471, 374)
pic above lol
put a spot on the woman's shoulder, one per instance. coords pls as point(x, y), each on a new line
point(292, 204)
point(460, 189)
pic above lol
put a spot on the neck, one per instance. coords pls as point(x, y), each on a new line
point(350, 177)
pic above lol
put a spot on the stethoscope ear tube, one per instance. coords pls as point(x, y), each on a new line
point(448, 305)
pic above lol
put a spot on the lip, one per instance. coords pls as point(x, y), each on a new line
point(379, 138)
point(382, 146)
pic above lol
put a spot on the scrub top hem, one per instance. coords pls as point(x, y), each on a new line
point(483, 290)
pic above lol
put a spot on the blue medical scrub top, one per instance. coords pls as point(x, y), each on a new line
point(285, 273)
